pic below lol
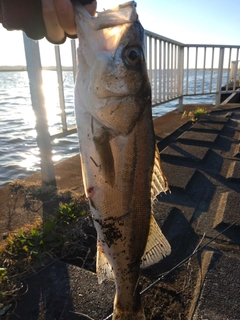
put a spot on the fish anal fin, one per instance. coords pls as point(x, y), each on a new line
point(157, 246)
point(104, 269)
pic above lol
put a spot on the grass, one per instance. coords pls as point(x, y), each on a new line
point(34, 245)
point(196, 114)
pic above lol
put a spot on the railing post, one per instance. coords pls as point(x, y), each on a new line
point(60, 88)
point(180, 77)
point(74, 58)
point(34, 70)
point(219, 81)
point(233, 70)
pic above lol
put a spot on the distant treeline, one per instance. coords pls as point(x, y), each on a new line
point(24, 68)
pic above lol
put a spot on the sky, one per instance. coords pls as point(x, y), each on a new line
point(186, 21)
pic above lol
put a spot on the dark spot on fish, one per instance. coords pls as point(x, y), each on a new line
point(94, 162)
point(89, 190)
point(110, 230)
point(121, 223)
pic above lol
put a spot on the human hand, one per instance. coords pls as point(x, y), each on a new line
point(59, 18)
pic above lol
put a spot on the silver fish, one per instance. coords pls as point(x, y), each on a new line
point(120, 161)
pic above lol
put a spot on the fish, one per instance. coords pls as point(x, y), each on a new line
point(120, 161)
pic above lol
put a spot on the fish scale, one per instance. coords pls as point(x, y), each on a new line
point(120, 162)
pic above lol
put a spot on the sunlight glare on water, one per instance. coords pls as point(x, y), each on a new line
point(51, 95)
point(51, 98)
point(29, 161)
point(29, 118)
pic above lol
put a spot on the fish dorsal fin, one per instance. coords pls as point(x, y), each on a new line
point(104, 269)
point(157, 246)
point(159, 182)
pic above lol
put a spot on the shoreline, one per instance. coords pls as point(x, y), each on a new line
point(24, 68)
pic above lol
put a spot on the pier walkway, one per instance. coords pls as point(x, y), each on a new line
point(201, 161)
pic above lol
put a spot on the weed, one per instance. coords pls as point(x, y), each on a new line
point(33, 244)
point(66, 213)
point(196, 114)
point(16, 185)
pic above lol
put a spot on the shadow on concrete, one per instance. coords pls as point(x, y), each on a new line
point(233, 233)
point(42, 292)
point(43, 295)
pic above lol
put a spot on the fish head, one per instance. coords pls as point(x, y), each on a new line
point(121, 72)
point(117, 80)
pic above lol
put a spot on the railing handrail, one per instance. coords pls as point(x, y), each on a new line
point(212, 46)
point(155, 35)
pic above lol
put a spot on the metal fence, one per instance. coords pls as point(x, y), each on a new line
point(176, 70)
point(165, 67)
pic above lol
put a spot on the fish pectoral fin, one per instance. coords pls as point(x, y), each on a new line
point(104, 269)
point(102, 143)
point(157, 246)
point(159, 181)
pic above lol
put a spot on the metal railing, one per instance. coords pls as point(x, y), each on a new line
point(176, 70)
point(165, 66)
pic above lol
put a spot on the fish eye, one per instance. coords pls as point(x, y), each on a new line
point(132, 56)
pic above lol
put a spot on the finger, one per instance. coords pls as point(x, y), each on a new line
point(55, 33)
point(66, 16)
point(91, 8)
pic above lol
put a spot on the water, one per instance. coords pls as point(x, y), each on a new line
point(19, 154)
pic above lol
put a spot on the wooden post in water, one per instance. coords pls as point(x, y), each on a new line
point(34, 70)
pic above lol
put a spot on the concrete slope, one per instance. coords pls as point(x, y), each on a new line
point(201, 161)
